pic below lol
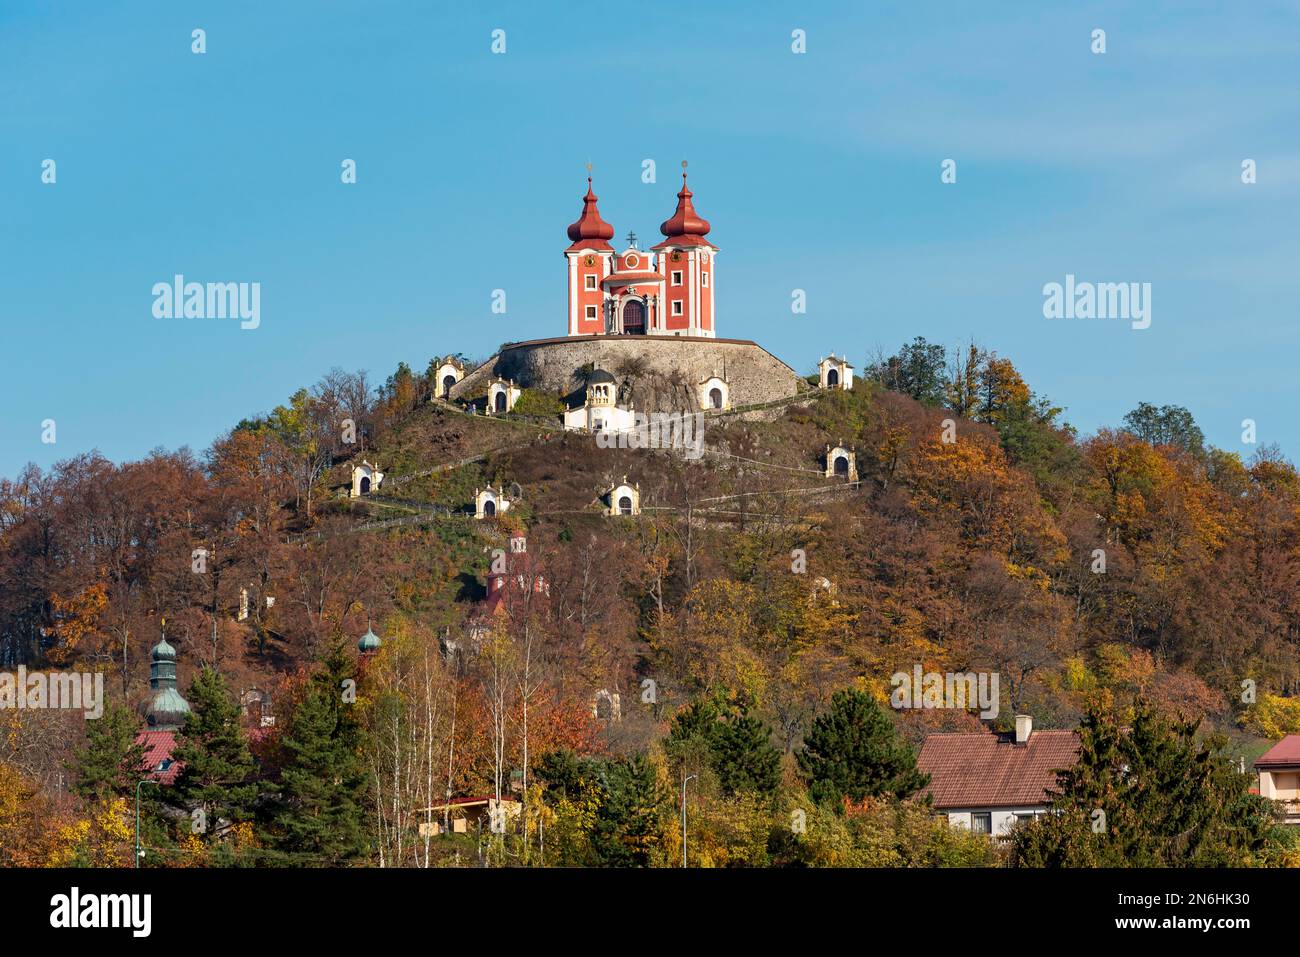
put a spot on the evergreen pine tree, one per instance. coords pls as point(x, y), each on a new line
point(743, 756)
point(735, 747)
point(218, 773)
point(322, 796)
point(853, 751)
point(111, 762)
point(1165, 799)
point(627, 824)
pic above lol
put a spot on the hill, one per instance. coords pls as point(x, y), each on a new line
point(982, 535)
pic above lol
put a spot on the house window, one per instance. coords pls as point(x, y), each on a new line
point(704, 280)
point(591, 282)
point(591, 312)
point(677, 277)
point(677, 307)
point(981, 822)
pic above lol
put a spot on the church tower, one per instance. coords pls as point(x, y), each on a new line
point(686, 262)
point(590, 256)
point(167, 709)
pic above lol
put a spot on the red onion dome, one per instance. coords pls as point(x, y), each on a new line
point(589, 225)
point(686, 221)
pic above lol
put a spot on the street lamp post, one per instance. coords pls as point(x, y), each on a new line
point(684, 780)
point(138, 851)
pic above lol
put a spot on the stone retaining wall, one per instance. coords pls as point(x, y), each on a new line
point(662, 373)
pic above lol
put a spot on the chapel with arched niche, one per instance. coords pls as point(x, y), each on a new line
point(490, 502)
point(450, 371)
point(366, 478)
point(714, 394)
point(502, 396)
point(624, 499)
point(835, 372)
point(842, 463)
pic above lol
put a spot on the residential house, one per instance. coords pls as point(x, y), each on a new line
point(987, 781)
point(1279, 775)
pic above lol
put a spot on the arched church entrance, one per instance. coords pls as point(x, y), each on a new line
point(501, 402)
point(634, 319)
point(715, 398)
point(365, 484)
point(841, 465)
point(489, 508)
point(625, 505)
point(447, 382)
point(832, 380)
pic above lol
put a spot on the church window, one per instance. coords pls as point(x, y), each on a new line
point(625, 505)
point(704, 280)
point(590, 282)
point(677, 307)
point(677, 277)
point(591, 312)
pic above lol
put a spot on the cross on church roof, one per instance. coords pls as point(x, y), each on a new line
point(631, 239)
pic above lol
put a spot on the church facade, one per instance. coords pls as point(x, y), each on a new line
point(666, 290)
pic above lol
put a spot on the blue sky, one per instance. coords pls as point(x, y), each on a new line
point(819, 172)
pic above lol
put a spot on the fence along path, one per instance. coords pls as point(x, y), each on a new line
point(427, 511)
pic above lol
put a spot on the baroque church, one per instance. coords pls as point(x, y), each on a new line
point(641, 335)
point(666, 290)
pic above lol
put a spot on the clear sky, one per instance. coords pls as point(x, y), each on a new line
point(819, 171)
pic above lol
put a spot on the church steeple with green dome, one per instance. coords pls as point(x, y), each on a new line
point(369, 642)
point(167, 709)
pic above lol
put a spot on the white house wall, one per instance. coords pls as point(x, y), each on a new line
point(1003, 819)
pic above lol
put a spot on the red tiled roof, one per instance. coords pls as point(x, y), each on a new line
point(682, 241)
point(990, 770)
point(642, 276)
point(158, 746)
point(1283, 754)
